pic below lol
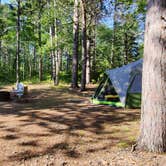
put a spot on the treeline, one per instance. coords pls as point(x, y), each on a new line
point(72, 40)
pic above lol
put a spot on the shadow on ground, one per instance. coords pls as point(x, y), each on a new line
point(59, 120)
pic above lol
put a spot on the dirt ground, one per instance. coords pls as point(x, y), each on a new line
point(58, 126)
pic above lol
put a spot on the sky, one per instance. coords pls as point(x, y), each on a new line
point(4, 1)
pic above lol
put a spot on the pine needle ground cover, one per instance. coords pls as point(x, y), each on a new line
point(59, 126)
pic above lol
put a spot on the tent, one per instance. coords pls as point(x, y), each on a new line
point(121, 87)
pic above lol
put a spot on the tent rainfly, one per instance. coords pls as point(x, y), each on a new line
point(121, 87)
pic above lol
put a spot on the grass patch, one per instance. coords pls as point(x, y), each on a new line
point(123, 144)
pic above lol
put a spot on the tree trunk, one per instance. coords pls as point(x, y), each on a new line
point(93, 47)
point(74, 83)
point(125, 48)
point(23, 66)
point(57, 55)
point(88, 66)
point(30, 70)
point(39, 42)
point(34, 60)
point(153, 111)
point(52, 37)
point(18, 43)
point(30, 63)
point(84, 45)
point(112, 60)
point(40, 68)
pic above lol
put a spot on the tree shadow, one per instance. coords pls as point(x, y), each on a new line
point(29, 143)
point(10, 137)
point(62, 112)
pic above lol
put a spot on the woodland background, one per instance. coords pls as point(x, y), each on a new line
point(39, 42)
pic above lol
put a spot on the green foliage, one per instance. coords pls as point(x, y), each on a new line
point(115, 46)
point(121, 43)
point(65, 77)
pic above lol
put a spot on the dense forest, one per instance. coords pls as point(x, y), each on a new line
point(68, 41)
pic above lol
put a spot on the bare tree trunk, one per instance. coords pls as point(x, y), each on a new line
point(23, 64)
point(84, 45)
point(153, 111)
point(74, 83)
point(34, 60)
point(125, 48)
point(39, 42)
point(93, 46)
point(57, 55)
point(40, 68)
point(57, 61)
point(60, 58)
point(88, 64)
point(30, 70)
point(114, 31)
point(18, 43)
point(52, 36)
point(30, 63)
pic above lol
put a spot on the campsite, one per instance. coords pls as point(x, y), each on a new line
point(82, 83)
point(59, 126)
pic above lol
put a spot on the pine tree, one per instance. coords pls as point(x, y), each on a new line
point(153, 111)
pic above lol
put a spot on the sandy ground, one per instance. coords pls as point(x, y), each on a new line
point(58, 126)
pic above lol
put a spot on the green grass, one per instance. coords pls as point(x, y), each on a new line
point(2, 84)
point(123, 144)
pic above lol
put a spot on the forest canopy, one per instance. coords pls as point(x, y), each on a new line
point(37, 38)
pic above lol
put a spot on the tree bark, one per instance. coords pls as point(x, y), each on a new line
point(34, 60)
point(153, 111)
point(112, 59)
point(57, 54)
point(40, 44)
point(52, 36)
point(18, 43)
point(93, 46)
point(125, 48)
point(84, 45)
point(74, 83)
point(57, 60)
point(88, 64)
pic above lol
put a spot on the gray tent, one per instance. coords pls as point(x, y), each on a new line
point(126, 82)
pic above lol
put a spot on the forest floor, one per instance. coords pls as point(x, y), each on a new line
point(59, 126)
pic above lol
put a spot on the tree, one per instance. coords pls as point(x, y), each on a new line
point(53, 37)
point(153, 111)
point(58, 54)
point(40, 40)
point(92, 13)
point(84, 43)
point(18, 43)
point(75, 45)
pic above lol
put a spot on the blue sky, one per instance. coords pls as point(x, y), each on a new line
point(4, 1)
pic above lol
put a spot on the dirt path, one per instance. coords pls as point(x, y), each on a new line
point(57, 126)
